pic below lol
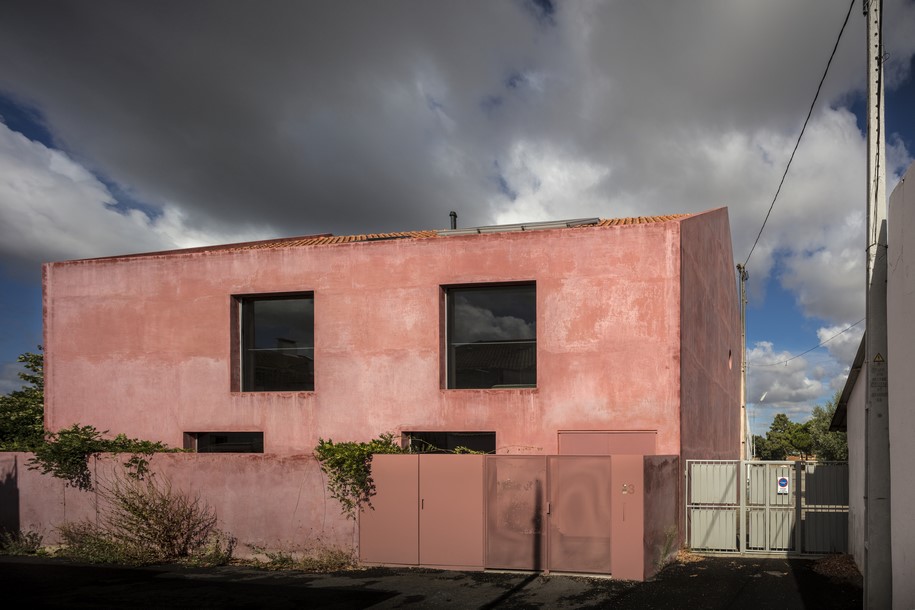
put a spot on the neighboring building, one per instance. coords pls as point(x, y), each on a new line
point(516, 339)
point(850, 411)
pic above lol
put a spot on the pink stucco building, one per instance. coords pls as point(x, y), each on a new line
point(594, 336)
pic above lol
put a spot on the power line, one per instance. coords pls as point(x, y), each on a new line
point(845, 330)
point(801, 135)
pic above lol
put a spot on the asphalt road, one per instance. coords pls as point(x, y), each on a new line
point(713, 582)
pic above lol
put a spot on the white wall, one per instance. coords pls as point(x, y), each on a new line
point(855, 423)
point(901, 370)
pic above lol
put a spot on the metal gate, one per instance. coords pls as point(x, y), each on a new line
point(767, 507)
point(549, 513)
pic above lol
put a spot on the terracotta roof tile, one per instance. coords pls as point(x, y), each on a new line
point(328, 239)
point(318, 240)
point(639, 220)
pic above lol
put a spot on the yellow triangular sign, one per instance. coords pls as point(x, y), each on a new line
point(878, 358)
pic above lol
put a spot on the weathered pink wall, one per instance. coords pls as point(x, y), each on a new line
point(142, 345)
point(265, 501)
point(661, 539)
point(710, 341)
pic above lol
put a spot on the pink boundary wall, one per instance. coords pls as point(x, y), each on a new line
point(272, 502)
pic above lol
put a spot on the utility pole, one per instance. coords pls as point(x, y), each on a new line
point(744, 427)
point(878, 562)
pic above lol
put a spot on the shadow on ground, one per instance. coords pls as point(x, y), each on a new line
point(710, 582)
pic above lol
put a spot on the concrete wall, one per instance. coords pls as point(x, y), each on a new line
point(901, 371)
point(142, 345)
point(266, 501)
point(855, 434)
point(710, 340)
point(662, 508)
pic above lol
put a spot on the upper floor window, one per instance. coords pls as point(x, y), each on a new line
point(277, 343)
point(491, 336)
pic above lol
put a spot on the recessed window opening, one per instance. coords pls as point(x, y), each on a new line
point(451, 442)
point(224, 442)
point(277, 343)
point(491, 336)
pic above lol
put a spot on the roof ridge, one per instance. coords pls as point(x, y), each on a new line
point(320, 239)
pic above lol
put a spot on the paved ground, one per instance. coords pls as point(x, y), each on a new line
point(712, 582)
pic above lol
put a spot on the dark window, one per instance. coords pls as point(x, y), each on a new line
point(492, 336)
point(447, 442)
point(277, 343)
point(225, 442)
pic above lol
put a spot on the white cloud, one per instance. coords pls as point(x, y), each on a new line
point(52, 208)
point(842, 346)
point(783, 383)
point(481, 324)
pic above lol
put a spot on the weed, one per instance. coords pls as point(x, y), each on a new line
point(20, 542)
point(144, 522)
point(318, 558)
point(217, 550)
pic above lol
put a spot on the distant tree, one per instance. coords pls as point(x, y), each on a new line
point(22, 410)
point(827, 446)
point(810, 439)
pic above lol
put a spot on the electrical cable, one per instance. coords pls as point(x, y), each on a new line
point(801, 135)
point(845, 330)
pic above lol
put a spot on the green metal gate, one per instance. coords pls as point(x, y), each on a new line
point(767, 507)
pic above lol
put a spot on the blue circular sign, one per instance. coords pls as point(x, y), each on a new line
point(783, 481)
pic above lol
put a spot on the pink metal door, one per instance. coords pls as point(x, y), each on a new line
point(580, 514)
point(388, 532)
point(515, 512)
point(451, 511)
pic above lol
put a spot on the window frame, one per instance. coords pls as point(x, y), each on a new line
point(239, 375)
point(192, 440)
point(448, 375)
point(451, 438)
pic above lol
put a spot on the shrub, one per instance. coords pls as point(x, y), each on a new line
point(65, 454)
point(348, 467)
point(145, 521)
point(20, 542)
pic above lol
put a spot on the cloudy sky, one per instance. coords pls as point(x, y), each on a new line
point(132, 126)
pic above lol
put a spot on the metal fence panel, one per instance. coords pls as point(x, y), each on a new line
point(712, 508)
point(713, 529)
point(777, 507)
point(713, 482)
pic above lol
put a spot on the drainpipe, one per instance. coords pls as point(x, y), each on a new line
point(453, 215)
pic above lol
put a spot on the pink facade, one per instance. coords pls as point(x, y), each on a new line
point(636, 331)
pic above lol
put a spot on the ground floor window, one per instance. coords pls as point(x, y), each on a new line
point(224, 442)
point(451, 442)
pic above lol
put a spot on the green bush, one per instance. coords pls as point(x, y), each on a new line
point(65, 454)
point(20, 543)
point(348, 467)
